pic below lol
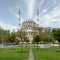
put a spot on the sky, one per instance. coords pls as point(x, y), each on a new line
point(49, 13)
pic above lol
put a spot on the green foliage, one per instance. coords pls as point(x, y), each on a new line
point(12, 37)
point(33, 42)
point(46, 37)
point(26, 39)
point(37, 38)
point(56, 34)
point(4, 35)
point(21, 34)
point(43, 37)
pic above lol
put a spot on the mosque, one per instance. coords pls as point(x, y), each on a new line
point(30, 27)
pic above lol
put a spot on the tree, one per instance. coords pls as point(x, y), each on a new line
point(12, 37)
point(46, 37)
point(4, 35)
point(37, 39)
point(21, 35)
point(56, 35)
point(26, 39)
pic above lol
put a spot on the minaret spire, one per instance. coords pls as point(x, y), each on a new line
point(38, 16)
point(19, 18)
point(19, 14)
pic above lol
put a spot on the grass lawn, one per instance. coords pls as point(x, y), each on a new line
point(14, 53)
point(46, 54)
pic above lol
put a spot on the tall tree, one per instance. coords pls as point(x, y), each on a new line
point(21, 36)
point(46, 37)
point(12, 37)
point(37, 39)
point(4, 35)
point(56, 35)
point(26, 39)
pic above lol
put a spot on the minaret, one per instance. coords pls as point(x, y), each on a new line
point(38, 16)
point(19, 19)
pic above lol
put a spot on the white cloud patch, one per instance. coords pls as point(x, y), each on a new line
point(7, 26)
point(41, 2)
point(39, 5)
point(30, 6)
point(16, 14)
point(51, 18)
point(11, 11)
point(45, 10)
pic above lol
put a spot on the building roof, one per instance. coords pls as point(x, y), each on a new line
point(27, 21)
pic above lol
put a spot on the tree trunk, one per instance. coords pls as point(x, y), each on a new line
point(59, 46)
point(2, 43)
point(22, 46)
point(37, 44)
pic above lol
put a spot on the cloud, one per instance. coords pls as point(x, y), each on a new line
point(30, 6)
point(39, 6)
point(7, 26)
point(52, 18)
point(11, 11)
point(16, 14)
point(45, 10)
point(42, 1)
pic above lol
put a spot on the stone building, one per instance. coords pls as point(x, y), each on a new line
point(30, 28)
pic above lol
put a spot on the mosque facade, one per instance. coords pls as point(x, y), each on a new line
point(30, 28)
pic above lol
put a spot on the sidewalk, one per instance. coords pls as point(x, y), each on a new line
point(30, 55)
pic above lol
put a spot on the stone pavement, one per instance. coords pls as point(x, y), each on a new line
point(31, 57)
